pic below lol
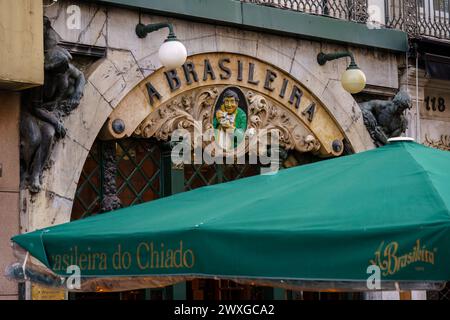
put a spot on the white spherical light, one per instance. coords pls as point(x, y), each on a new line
point(353, 80)
point(172, 54)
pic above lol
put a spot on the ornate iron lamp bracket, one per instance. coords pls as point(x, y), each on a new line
point(322, 58)
point(142, 30)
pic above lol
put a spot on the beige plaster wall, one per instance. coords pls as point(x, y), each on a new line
point(22, 46)
point(435, 124)
point(9, 185)
point(427, 126)
point(130, 59)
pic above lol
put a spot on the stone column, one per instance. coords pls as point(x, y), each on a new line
point(359, 13)
point(9, 186)
point(414, 82)
point(410, 25)
point(110, 199)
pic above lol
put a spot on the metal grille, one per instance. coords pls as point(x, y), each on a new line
point(138, 171)
point(351, 10)
point(444, 294)
point(433, 18)
point(196, 176)
point(416, 17)
point(237, 171)
point(88, 195)
point(199, 175)
point(419, 17)
point(138, 176)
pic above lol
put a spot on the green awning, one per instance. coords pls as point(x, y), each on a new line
point(325, 221)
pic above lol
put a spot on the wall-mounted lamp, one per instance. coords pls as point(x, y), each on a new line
point(172, 52)
point(353, 79)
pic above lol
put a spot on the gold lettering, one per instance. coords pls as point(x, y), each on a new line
point(391, 262)
point(149, 257)
point(169, 259)
point(154, 254)
point(126, 260)
point(92, 262)
point(116, 259)
point(86, 260)
point(56, 262)
point(66, 259)
point(185, 259)
point(145, 247)
point(103, 265)
point(76, 257)
point(178, 255)
point(162, 256)
point(83, 260)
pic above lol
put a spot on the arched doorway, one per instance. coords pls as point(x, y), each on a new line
point(144, 173)
point(130, 163)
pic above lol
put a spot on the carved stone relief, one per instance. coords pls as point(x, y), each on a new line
point(264, 114)
point(193, 110)
point(110, 199)
point(183, 112)
point(44, 108)
point(443, 143)
point(386, 119)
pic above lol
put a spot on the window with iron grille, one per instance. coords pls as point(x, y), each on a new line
point(139, 178)
point(138, 163)
point(444, 294)
point(200, 175)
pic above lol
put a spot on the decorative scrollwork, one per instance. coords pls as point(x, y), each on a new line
point(194, 111)
point(443, 143)
point(293, 134)
point(180, 113)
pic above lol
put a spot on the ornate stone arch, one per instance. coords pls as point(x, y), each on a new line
point(194, 108)
point(166, 100)
point(110, 85)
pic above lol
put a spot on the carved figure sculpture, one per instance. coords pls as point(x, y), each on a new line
point(230, 120)
point(385, 119)
point(45, 107)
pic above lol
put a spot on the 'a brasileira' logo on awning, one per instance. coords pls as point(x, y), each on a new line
point(390, 261)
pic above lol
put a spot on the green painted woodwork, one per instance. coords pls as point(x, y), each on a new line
point(273, 20)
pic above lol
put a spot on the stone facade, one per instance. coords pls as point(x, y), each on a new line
point(430, 115)
point(21, 44)
point(21, 57)
point(9, 185)
point(130, 60)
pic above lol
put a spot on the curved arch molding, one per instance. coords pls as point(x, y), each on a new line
point(116, 88)
point(157, 99)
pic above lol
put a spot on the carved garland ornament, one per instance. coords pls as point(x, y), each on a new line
point(194, 111)
point(443, 143)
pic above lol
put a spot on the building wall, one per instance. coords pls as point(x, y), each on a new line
point(429, 117)
point(22, 45)
point(435, 114)
point(9, 185)
point(22, 66)
point(129, 60)
point(114, 27)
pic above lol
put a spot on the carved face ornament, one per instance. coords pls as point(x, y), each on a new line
point(230, 105)
point(403, 101)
